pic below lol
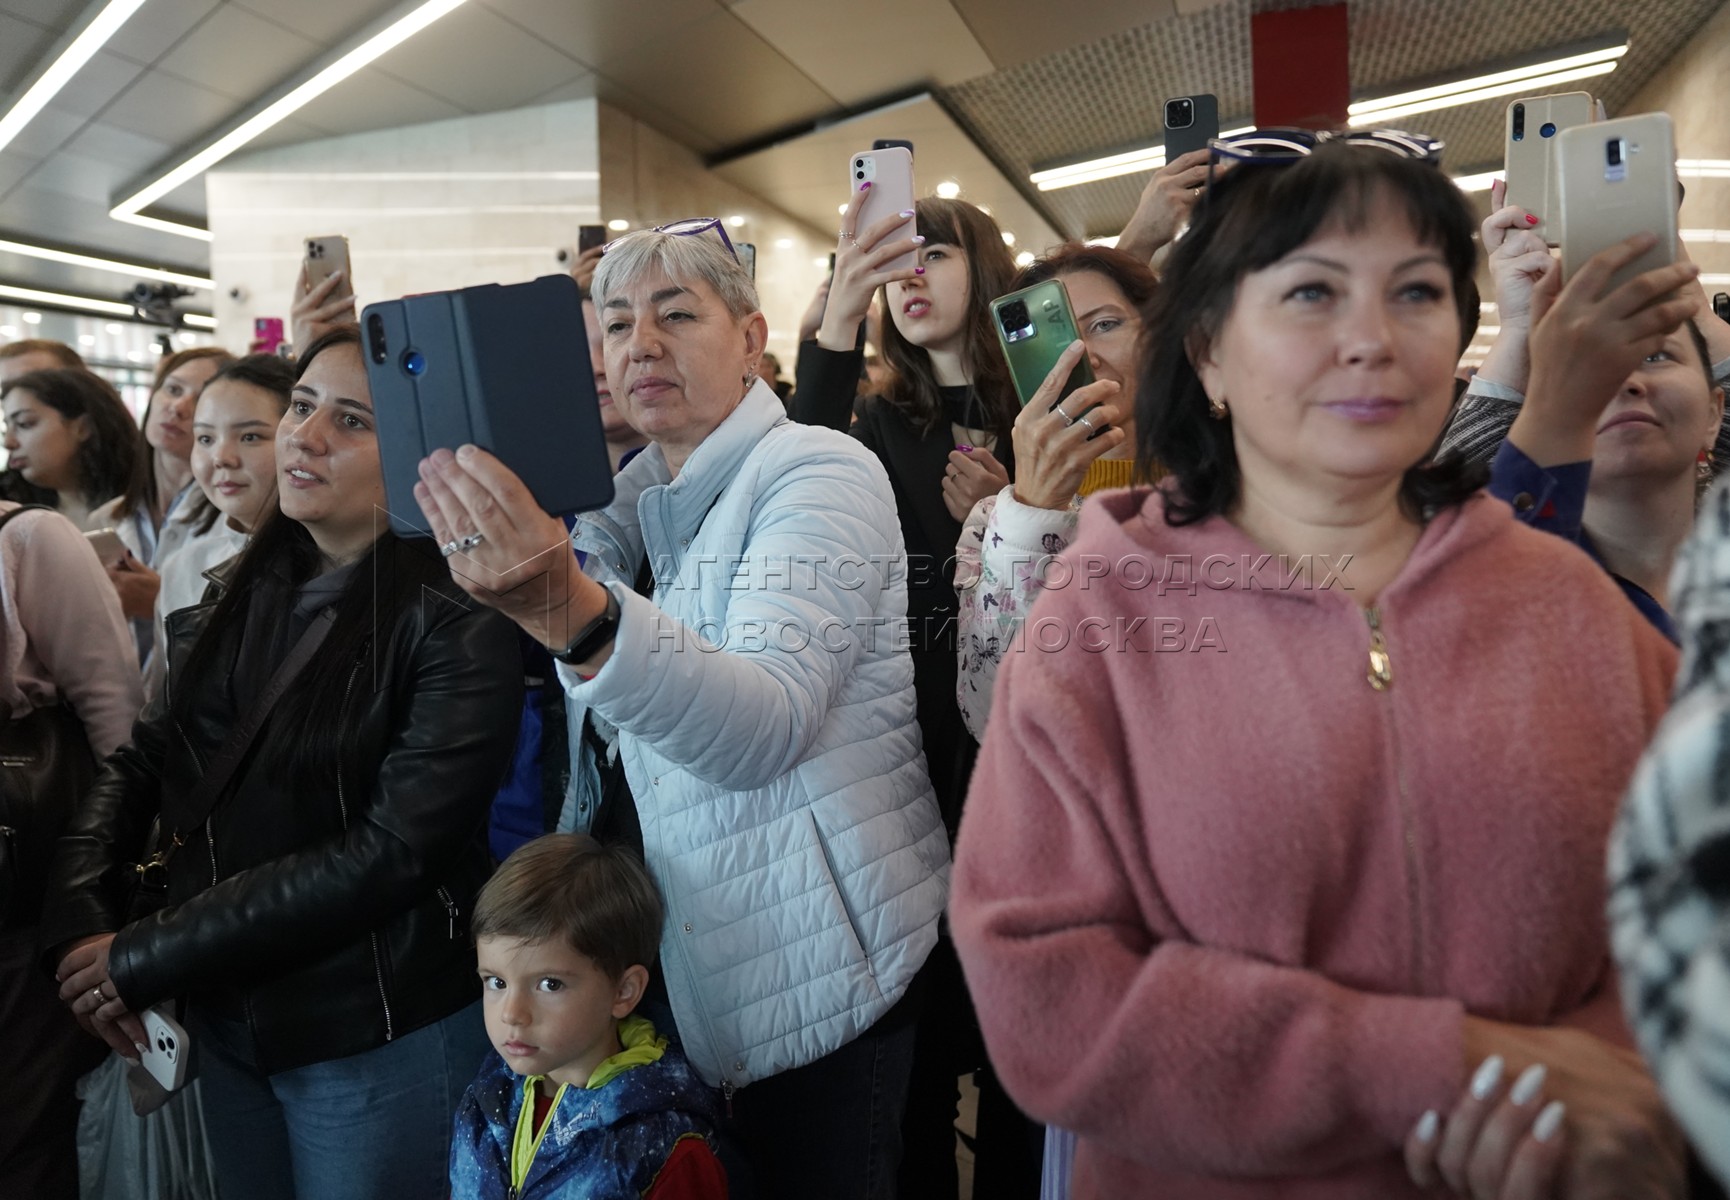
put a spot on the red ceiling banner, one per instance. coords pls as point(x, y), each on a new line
point(1302, 67)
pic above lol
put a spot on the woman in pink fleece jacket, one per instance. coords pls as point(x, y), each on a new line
point(1254, 873)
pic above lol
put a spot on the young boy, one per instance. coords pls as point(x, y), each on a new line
point(582, 1099)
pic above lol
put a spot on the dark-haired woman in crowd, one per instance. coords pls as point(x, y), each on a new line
point(1065, 451)
point(314, 908)
point(1607, 451)
point(68, 433)
point(147, 516)
point(1243, 913)
point(942, 429)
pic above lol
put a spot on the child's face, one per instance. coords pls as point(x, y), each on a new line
point(550, 1010)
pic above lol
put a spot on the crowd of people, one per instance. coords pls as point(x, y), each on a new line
point(1233, 764)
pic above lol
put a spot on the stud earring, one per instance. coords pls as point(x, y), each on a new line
point(1216, 409)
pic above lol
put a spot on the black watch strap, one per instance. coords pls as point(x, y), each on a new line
point(590, 640)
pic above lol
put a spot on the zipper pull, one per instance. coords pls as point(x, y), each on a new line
point(450, 911)
point(727, 1096)
point(1381, 672)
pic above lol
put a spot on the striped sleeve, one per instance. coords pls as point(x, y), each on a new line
point(1481, 422)
point(1670, 860)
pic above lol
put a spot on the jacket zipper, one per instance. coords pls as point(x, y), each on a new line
point(450, 911)
point(342, 804)
point(1381, 678)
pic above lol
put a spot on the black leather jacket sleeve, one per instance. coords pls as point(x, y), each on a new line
point(408, 823)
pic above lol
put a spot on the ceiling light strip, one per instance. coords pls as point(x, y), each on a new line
point(161, 226)
point(104, 21)
point(1529, 86)
point(105, 264)
point(1519, 76)
point(111, 308)
point(368, 51)
point(1149, 158)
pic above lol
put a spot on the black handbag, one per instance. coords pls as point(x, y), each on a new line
point(46, 766)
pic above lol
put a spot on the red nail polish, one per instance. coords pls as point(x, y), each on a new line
point(1530, 219)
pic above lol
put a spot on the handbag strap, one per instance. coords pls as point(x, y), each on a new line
point(210, 788)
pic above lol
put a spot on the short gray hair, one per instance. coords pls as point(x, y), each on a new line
point(682, 257)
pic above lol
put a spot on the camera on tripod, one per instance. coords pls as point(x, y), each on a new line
point(154, 303)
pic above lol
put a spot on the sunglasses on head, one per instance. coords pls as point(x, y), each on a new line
point(695, 227)
point(1281, 147)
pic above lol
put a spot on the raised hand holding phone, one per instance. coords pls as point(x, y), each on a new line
point(865, 260)
point(319, 307)
point(1518, 259)
point(1054, 447)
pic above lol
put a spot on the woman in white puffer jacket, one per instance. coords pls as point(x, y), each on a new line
point(762, 692)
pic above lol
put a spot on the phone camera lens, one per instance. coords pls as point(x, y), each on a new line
point(375, 338)
point(1613, 152)
point(414, 362)
point(1179, 114)
point(1519, 123)
point(1547, 129)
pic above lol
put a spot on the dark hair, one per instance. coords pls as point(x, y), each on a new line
point(1134, 278)
point(1698, 338)
point(141, 488)
point(598, 899)
point(105, 459)
point(912, 384)
point(388, 580)
point(63, 354)
point(267, 372)
point(1249, 219)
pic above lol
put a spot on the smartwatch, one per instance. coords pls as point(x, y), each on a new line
point(593, 637)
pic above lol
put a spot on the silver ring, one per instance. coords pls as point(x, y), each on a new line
point(97, 992)
point(851, 237)
point(1082, 420)
point(449, 548)
point(1067, 419)
point(472, 540)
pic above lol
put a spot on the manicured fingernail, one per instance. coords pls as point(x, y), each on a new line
point(906, 212)
point(1429, 1125)
point(142, 1048)
point(1549, 1122)
point(919, 270)
point(1487, 1077)
point(965, 449)
point(1528, 1085)
point(137, 1062)
point(865, 185)
point(1530, 219)
point(918, 239)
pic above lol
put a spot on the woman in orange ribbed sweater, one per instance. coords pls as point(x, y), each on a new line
point(1008, 537)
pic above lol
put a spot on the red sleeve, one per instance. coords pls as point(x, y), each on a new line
point(692, 1173)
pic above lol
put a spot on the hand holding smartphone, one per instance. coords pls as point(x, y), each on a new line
point(1035, 326)
point(167, 1049)
point(325, 256)
point(110, 550)
point(1617, 179)
point(1191, 122)
point(890, 174)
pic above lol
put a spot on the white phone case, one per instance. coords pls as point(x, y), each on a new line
point(1531, 157)
point(890, 174)
point(1616, 179)
point(168, 1049)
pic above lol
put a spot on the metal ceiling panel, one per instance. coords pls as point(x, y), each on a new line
point(169, 109)
point(238, 54)
point(1017, 31)
point(480, 62)
point(127, 152)
point(722, 79)
point(52, 14)
point(47, 133)
point(328, 22)
point(904, 44)
point(372, 99)
point(598, 31)
point(156, 28)
point(102, 79)
point(577, 89)
point(23, 44)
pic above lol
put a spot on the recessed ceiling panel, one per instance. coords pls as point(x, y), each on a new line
point(156, 28)
point(328, 22)
point(1017, 31)
point(96, 84)
point(479, 62)
point(597, 31)
point(238, 54)
point(170, 109)
point(23, 45)
point(371, 99)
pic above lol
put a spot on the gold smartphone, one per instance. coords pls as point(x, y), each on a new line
point(325, 256)
point(1616, 179)
point(1533, 125)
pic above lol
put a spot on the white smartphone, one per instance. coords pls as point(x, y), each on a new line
point(325, 256)
point(167, 1049)
point(890, 174)
point(108, 546)
point(1533, 125)
point(1616, 179)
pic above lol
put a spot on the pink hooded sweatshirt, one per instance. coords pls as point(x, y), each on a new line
point(1222, 908)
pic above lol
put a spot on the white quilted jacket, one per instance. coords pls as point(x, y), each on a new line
point(765, 717)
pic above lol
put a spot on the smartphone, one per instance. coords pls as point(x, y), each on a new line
point(325, 256)
point(267, 335)
point(167, 1050)
point(831, 264)
point(1533, 125)
point(1035, 326)
point(1191, 122)
point(891, 143)
point(747, 252)
point(1615, 179)
point(590, 236)
point(890, 174)
point(108, 546)
point(1721, 306)
point(504, 367)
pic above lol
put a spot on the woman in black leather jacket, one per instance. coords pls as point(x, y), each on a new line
point(315, 921)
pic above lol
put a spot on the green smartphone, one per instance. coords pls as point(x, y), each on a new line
point(1035, 326)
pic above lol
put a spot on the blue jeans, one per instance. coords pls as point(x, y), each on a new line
point(373, 1126)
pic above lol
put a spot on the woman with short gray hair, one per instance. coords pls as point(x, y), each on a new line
point(738, 618)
